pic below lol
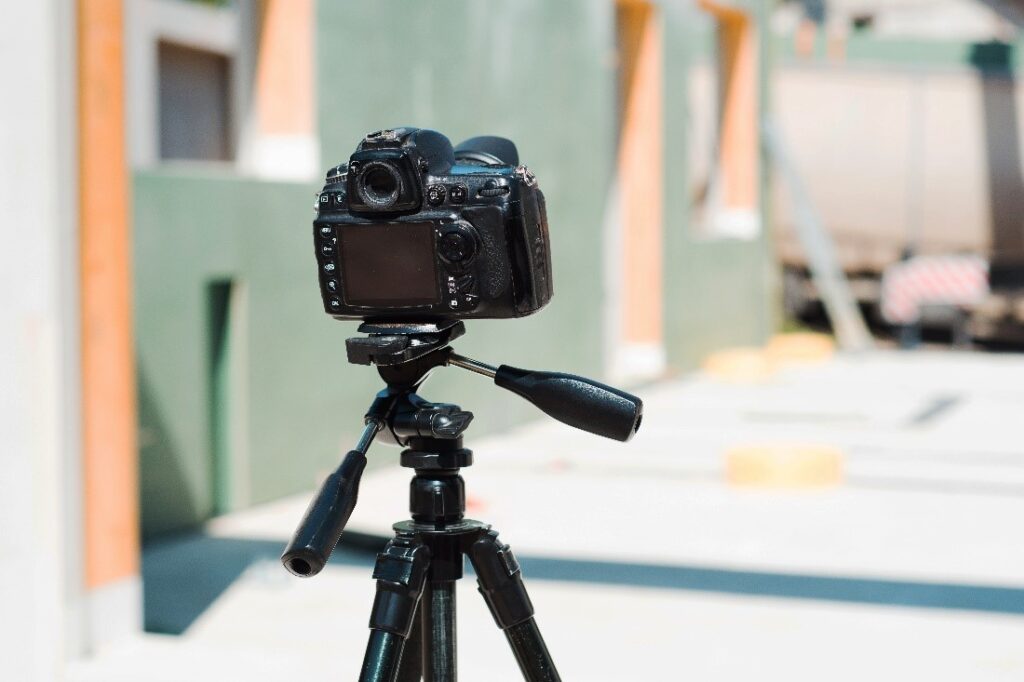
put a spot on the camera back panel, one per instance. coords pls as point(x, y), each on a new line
point(405, 232)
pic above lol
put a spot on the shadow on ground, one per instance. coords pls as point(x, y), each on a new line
point(786, 585)
point(183, 576)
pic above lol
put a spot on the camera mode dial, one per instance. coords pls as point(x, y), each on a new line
point(435, 195)
point(457, 243)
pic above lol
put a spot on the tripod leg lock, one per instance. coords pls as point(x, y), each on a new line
point(500, 580)
point(400, 571)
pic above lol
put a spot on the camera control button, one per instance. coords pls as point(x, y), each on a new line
point(456, 247)
point(492, 188)
point(329, 266)
point(327, 249)
point(435, 195)
point(465, 284)
point(332, 285)
point(334, 303)
point(326, 231)
point(458, 194)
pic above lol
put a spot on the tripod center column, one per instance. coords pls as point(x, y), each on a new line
point(437, 497)
point(437, 494)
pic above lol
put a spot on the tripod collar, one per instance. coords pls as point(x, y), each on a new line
point(428, 457)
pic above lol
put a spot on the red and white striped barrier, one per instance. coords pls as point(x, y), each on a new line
point(960, 280)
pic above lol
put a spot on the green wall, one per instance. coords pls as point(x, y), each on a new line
point(541, 73)
point(303, 406)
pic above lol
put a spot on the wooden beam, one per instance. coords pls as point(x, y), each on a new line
point(640, 172)
point(738, 128)
point(108, 374)
point(284, 70)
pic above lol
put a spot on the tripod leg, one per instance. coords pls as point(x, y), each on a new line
point(501, 584)
point(383, 654)
point(437, 609)
point(400, 572)
point(411, 667)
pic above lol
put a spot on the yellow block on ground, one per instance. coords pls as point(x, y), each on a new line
point(802, 347)
point(753, 364)
point(783, 465)
point(739, 365)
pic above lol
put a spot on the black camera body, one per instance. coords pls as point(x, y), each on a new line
point(410, 229)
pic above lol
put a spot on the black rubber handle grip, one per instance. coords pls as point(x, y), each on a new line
point(576, 401)
point(325, 519)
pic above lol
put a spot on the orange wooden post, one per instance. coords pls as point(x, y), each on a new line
point(640, 172)
point(284, 70)
point(284, 142)
point(108, 376)
point(739, 156)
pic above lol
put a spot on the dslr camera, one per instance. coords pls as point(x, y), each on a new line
point(411, 229)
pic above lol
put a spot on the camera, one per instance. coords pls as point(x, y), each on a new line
point(412, 229)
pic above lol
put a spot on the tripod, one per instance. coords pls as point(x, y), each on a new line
point(412, 622)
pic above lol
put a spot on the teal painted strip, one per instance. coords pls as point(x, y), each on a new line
point(183, 577)
point(867, 49)
point(221, 344)
point(918, 594)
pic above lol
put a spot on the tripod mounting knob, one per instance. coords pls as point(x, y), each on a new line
point(433, 421)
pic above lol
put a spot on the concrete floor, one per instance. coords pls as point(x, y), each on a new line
point(645, 565)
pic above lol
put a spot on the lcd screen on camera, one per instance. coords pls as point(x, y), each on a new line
point(388, 264)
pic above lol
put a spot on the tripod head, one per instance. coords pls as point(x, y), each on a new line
point(405, 354)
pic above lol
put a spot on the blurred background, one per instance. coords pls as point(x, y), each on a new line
point(795, 228)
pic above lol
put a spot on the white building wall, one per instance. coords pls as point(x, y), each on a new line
point(40, 517)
